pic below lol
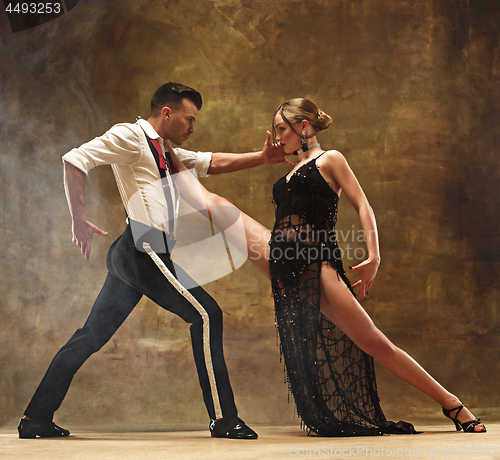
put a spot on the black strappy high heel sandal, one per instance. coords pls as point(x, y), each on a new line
point(469, 426)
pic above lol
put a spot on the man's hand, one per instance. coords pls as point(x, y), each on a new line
point(83, 231)
point(274, 153)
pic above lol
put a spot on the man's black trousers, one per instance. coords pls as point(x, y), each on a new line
point(132, 274)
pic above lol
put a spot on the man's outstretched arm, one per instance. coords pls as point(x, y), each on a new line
point(82, 229)
point(230, 162)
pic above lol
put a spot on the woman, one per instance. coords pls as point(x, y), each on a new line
point(327, 339)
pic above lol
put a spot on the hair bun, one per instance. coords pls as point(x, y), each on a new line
point(324, 120)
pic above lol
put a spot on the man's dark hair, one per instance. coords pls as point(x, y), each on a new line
point(171, 95)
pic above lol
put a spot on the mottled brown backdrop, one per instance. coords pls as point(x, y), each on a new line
point(413, 86)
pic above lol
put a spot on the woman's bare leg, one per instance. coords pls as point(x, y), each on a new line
point(342, 308)
point(257, 237)
point(251, 238)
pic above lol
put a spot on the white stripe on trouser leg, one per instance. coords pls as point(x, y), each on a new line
point(206, 324)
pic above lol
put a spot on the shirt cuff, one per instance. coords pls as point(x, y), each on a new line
point(75, 158)
point(202, 163)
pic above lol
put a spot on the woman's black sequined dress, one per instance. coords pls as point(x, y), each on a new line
point(331, 379)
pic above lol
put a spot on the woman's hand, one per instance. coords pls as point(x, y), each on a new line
point(368, 270)
point(341, 174)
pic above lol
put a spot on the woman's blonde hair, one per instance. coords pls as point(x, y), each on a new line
point(298, 109)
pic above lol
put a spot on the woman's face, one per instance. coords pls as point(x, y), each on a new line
point(286, 136)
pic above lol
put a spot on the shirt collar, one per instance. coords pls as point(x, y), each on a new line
point(149, 130)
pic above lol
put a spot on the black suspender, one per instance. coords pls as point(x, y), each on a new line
point(166, 189)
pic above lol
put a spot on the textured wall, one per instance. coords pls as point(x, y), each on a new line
point(414, 89)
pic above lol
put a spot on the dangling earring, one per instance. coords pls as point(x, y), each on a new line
point(305, 147)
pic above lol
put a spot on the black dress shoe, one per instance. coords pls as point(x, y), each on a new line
point(29, 429)
point(233, 428)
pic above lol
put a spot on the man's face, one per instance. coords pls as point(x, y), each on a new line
point(181, 122)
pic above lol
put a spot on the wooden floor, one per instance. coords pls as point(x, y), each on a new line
point(436, 441)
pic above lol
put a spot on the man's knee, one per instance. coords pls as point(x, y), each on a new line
point(89, 340)
point(207, 303)
point(210, 314)
point(213, 311)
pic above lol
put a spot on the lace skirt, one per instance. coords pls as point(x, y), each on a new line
point(331, 379)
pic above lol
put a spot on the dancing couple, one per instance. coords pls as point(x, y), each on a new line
point(327, 339)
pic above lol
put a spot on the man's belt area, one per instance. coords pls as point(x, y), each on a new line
point(160, 242)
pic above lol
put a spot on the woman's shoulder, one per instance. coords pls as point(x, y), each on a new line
point(331, 157)
point(334, 165)
point(332, 154)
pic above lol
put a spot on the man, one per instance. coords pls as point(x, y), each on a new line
point(149, 178)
